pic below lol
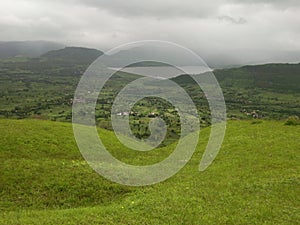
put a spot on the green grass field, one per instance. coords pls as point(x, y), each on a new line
point(255, 179)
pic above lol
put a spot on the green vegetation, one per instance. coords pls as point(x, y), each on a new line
point(44, 88)
point(44, 179)
point(254, 179)
point(292, 120)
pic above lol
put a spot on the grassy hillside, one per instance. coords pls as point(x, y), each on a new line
point(254, 179)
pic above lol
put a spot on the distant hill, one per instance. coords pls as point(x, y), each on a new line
point(75, 54)
point(27, 48)
point(44, 87)
point(261, 91)
point(275, 77)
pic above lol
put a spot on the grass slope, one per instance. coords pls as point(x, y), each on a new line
point(254, 179)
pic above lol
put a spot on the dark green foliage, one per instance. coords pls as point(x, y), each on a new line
point(292, 121)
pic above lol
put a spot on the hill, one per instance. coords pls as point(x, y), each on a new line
point(266, 91)
point(284, 78)
point(75, 54)
point(254, 179)
point(44, 88)
point(27, 48)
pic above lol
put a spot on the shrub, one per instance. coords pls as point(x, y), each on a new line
point(292, 121)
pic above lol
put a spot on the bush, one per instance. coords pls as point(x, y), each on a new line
point(292, 121)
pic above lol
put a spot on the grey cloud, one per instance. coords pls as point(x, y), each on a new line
point(175, 8)
point(230, 19)
point(217, 30)
point(284, 4)
point(156, 8)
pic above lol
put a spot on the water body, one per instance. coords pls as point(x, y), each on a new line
point(164, 71)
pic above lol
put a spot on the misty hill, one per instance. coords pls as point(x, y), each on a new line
point(45, 86)
point(27, 48)
point(76, 54)
point(264, 91)
point(274, 77)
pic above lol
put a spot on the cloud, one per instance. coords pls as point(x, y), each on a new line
point(155, 8)
point(275, 3)
point(229, 30)
point(230, 19)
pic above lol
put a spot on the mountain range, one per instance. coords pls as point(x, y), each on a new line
point(27, 48)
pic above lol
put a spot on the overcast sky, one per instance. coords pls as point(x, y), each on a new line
point(248, 31)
